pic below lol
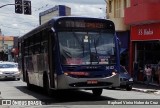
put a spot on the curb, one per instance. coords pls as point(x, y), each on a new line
point(155, 91)
point(152, 84)
point(146, 91)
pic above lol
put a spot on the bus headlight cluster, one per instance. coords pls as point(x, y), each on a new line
point(114, 73)
point(77, 73)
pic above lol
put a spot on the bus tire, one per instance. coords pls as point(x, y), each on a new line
point(128, 87)
point(97, 91)
point(46, 87)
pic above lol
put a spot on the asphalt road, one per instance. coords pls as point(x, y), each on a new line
point(83, 98)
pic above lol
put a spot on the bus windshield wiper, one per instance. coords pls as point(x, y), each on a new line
point(95, 47)
point(81, 43)
point(97, 41)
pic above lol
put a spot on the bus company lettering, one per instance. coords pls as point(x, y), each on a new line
point(145, 32)
point(109, 67)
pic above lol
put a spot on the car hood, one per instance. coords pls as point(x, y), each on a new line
point(9, 70)
point(125, 75)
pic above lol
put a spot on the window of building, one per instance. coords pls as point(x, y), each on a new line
point(117, 8)
point(110, 6)
point(135, 2)
point(125, 3)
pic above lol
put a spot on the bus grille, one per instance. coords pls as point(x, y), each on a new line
point(71, 68)
point(84, 84)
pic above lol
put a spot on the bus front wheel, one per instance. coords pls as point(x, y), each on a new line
point(97, 91)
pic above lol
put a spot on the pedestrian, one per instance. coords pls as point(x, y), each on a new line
point(158, 73)
point(148, 72)
point(135, 71)
point(144, 74)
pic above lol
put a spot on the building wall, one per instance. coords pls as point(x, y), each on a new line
point(143, 16)
point(47, 17)
point(115, 12)
point(142, 11)
point(58, 10)
point(5, 42)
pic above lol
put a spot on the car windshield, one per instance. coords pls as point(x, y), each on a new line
point(87, 48)
point(7, 66)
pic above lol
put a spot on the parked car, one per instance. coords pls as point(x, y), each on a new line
point(126, 81)
point(9, 70)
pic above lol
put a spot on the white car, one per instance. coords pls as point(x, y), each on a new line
point(9, 71)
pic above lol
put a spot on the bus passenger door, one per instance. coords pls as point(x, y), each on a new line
point(21, 60)
point(51, 58)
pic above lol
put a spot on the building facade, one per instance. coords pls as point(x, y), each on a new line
point(115, 12)
point(58, 10)
point(6, 45)
point(143, 16)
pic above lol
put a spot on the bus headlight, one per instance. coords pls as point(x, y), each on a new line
point(114, 73)
point(66, 73)
point(77, 73)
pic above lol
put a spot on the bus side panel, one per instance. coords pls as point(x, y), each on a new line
point(42, 61)
point(31, 69)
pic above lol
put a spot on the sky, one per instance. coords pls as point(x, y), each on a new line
point(12, 24)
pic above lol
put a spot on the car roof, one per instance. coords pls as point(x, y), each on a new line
point(5, 62)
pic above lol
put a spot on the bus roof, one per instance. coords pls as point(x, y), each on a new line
point(51, 23)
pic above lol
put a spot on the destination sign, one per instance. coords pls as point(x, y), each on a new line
point(82, 24)
point(94, 24)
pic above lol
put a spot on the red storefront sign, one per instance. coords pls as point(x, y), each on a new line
point(145, 32)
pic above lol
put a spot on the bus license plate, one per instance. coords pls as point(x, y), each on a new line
point(9, 76)
point(92, 82)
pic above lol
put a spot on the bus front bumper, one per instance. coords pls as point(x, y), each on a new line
point(67, 82)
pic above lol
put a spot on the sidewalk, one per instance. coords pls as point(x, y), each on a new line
point(141, 87)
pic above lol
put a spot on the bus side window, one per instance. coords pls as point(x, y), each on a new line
point(37, 48)
point(25, 51)
point(44, 47)
point(31, 50)
point(51, 35)
point(37, 45)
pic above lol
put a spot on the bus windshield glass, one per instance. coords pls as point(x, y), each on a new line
point(86, 48)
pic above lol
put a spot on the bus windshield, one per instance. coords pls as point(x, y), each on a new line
point(86, 48)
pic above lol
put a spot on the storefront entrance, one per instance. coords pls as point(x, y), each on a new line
point(148, 52)
point(145, 49)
